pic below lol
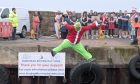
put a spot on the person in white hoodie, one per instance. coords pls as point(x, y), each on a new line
point(57, 24)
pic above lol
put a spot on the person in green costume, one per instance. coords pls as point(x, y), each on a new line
point(73, 39)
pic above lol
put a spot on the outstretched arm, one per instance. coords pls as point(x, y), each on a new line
point(66, 25)
point(93, 25)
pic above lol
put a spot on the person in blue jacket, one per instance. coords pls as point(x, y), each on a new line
point(64, 30)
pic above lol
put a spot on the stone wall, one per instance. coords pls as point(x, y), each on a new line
point(104, 55)
point(47, 23)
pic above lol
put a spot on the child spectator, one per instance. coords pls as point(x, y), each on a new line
point(103, 23)
point(111, 26)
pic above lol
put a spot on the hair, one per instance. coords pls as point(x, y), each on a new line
point(35, 13)
point(39, 13)
point(84, 13)
point(13, 9)
point(95, 13)
point(70, 13)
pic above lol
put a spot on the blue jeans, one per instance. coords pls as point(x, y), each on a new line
point(14, 33)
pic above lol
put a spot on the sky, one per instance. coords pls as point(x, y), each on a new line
point(73, 5)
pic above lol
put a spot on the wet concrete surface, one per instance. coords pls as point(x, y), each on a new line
point(53, 42)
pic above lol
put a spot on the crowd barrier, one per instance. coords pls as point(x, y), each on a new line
point(5, 29)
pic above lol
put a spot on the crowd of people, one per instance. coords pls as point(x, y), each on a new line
point(112, 25)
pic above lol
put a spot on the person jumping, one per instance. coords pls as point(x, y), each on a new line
point(73, 39)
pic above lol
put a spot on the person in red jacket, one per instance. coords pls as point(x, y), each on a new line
point(73, 39)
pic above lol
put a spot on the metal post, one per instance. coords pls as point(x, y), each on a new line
point(38, 78)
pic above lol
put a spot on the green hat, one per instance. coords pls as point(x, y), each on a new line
point(77, 25)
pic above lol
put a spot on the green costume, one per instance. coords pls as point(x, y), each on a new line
point(73, 40)
point(78, 48)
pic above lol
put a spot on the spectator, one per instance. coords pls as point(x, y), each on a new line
point(84, 21)
point(95, 31)
point(129, 26)
point(125, 19)
point(73, 18)
point(132, 32)
point(107, 26)
point(63, 30)
point(111, 26)
point(40, 24)
point(35, 24)
point(116, 31)
point(57, 24)
point(90, 15)
point(120, 23)
point(135, 19)
point(102, 26)
point(14, 20)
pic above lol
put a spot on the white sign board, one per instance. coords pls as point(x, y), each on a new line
point(41, 64)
